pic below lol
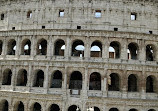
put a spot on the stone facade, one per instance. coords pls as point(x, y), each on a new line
point(47, 60)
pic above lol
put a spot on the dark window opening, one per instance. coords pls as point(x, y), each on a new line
point(59, 48)
point(54, 107)
point(150, 53)
point(78, 48)
point(96, 49)
point(132, 83)
point(7, 75)
point(95, 81)
point(37, 107)
point(5, 105)
point(26, 47)
point(11, 47)
point(1, 45)
point(75, 80)
point(20, 107)
point(22, 78)
point(29, 14)
point(98, 13)
point(74, 108)
point(114, 50)
point(133, 16)
point(150, 84)
point(56, 80)
point(43, 27)
point(115, 29)
point(113, 83)
point(78, 27)
point(132, 51)
point(39, 79)
point(113, 109)
point(13, 28)
point(150, 32)
point(2, 16)
point(61, 13)
point(42, 47)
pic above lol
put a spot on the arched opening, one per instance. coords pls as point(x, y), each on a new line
point(114, 50)
point(74, 108)
point(54, 107)
point(96, 49)
point(42, 47)
point(39, 79)
point(7, 75)
point(150, 53)
point(56, 80)
point(22, 78)
point(78, 48)
point(132, 51)
point(36, 107)
point(113, 109)
point(95, 81)
point(151, 110)
point(26, 47)
point(113, 83)
point(132, 83)
point(1, 45)
point(20, 107)
point(75, 80)
point(150, 83)
point(59, 48)
point(4, 105)
point(11, 47)
point(133, 110)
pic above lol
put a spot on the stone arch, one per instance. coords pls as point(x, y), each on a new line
point(75, 80)
point(132, 51)
point(95, 81)
point(59, 47)
point(4, 105)
point(36, 107)
point(1, 46)
point(113, 109)
point(114, 50)
point(38, 78)
point(96, 49)
point(56, 79)
point(78, 48)
point(114, 82)
point(73, 108)
point(150, 84)
point(7, 76)
point(42, 47)
point(19, 106)
point(11, 47)
point(22, 78)
point(54, 107)
point(132, 83)
point(26, 47)
point(150, 52)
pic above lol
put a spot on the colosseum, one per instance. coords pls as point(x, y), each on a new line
point(78, 55)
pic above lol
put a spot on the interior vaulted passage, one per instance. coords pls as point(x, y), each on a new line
point(26, 47)
point(132, 83)
point(56, 80)
point(132, 51)
point(22, 78)
point(59, 47)
point(78, 48)
point(38, 78)
point(7, 76)
point(42, 47)
point(95, 81)
point(96, 49)
point(114, 50)
point(113, 82)
point(11, 47)
point(150, 52)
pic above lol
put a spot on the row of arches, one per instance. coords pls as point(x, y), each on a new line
point(78, 49)
point(76, 78)
point(19, 106)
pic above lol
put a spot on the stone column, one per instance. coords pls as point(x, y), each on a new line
point(87, 48)
point(13, 77)
point(124, 84)
point(33, 46)
point(85, 84)
point(46, 72)
point(142, 84)
point(106, 49)
point(142, 51)
point(105, 84)
point(50, 47)
point(4, 47)
point(18, 48)
point(29, 73)
point(68, 48)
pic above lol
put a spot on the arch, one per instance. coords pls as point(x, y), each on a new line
point(75, 80)
point(59, 47)
point(132, 83)
point(42, 47)
point(150, 84)
point(113, 109)
point(132, 51)
point(37, 107)
point(7, 76)
point(114, 82)
point(1, 46)
point(150, 52)
point(39, 79)
point(19, 106)
point(151, 110)
point(74, 108)
point(95, 81)
point(114, 50)
point(4, 105)
point(22, 78)
point(56, 81)
point(78, 48)
point(11, 47)
point(54, 107)
point(133, 109)
point(96, 49)
point(26, 47)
